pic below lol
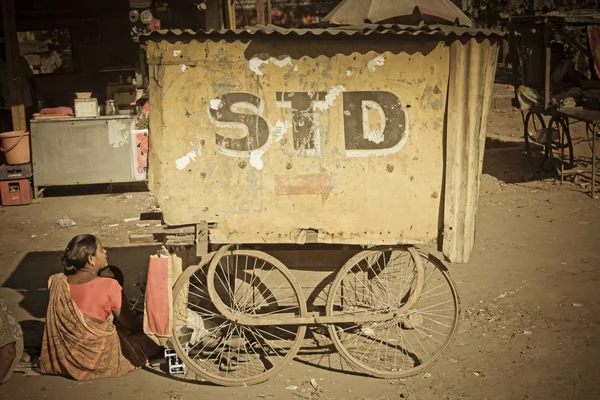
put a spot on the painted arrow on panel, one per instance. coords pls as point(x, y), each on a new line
point(304, 184)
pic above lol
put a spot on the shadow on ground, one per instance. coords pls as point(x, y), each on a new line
point(30, 278)
point(82, 190)
point(508, 162)
point(504, 75)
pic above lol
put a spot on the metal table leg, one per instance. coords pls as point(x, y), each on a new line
point(594, 134)
point(562, 151)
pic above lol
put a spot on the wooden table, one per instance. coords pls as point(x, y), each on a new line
point(592, 121)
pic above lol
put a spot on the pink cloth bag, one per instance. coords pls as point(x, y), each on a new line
point(158, 312)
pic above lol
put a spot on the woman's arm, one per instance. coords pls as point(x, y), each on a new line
point(126, 317)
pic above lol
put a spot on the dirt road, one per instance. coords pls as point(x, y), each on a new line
point(530, 300)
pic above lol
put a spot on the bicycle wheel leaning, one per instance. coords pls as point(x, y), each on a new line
point(560, 146)
point(534, 135)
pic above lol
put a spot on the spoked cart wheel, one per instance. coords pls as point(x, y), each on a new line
point(535, 139)
point(413, 285)
point(560, 146)
point(247, 282)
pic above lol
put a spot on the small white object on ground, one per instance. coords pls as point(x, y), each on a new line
point(314, 383)
point(66, 222)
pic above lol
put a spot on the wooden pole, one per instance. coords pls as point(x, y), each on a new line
point(13, 66)
point(230, 13)
point(515, 57)
point(548, 61)
point(260, 12)
point(531, 7)
point(594, 139)
point(221, 14)
point(269, 16)
point(213, 15)
point(232, 24)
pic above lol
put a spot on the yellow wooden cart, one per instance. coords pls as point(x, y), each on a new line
point(304, 166)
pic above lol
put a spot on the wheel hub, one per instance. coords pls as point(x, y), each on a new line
point(411, 321)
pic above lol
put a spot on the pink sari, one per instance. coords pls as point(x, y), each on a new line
point(77, 347)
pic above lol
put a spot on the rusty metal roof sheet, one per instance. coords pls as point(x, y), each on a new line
point(362, 30)
point(578, 17)
point(251, 4)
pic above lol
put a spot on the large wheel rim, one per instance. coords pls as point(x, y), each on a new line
point(560, 146)
point(227, 353)
point(412, 341)
point(535, 139)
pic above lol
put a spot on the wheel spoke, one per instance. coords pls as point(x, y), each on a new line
point(203, 310)
point(250, 290)
point(421, 329)
point(437, 322)
point(202, 349)
point(207, 343)
point(246, 295)
point(435, 305)
point(435, 315)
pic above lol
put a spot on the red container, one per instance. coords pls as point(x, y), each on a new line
point(16, 192)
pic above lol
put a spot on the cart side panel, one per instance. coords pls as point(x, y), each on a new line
point(469, 100)
point(276, 139)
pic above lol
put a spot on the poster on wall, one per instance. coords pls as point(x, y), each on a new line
point(139, 141)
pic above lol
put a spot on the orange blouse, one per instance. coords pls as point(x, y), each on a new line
point(97, 298)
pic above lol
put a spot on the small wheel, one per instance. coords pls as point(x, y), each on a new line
point(535, 139)
point(560, 145)
point(383, 280)
point(220, 350)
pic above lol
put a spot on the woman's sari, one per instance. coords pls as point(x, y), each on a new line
point(78, 347)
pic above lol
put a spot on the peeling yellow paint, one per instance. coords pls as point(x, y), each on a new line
point(373, 196)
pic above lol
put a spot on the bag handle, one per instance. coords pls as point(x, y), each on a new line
point(14, 145)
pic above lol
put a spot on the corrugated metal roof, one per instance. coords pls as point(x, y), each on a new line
point(572, 17)
point(291, 3)
point(362, 30)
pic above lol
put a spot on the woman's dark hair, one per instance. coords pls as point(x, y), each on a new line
point(78, 252)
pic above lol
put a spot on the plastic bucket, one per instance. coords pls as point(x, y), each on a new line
point(15, 146)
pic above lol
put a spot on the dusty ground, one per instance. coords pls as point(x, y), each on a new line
point(531, 307)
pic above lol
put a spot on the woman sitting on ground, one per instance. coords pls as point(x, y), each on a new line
point(80, 339)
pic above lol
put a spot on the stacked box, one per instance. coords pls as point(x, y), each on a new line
point(86, 108)
point(8, 172)
point(15, 192)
